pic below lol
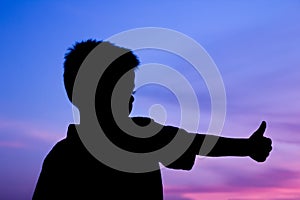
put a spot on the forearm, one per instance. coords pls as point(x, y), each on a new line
point(215, 146)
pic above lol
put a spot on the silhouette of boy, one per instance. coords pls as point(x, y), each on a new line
point(69, 171)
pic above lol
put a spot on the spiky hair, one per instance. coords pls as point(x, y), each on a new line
point(80, 50)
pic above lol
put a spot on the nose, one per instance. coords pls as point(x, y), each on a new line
point(131, 99)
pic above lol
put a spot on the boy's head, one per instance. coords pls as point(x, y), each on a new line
point(113, 73)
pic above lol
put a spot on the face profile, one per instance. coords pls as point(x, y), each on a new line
point(131, 101)
point(122, 95)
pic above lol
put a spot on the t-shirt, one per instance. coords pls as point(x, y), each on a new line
point(69, 171)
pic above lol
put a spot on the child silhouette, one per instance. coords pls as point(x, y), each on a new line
point(69, 171)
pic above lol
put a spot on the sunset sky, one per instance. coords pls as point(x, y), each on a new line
point(254, 44)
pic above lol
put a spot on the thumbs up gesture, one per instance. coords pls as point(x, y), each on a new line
point(260, 146)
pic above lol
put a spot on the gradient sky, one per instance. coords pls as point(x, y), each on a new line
point(255, 44)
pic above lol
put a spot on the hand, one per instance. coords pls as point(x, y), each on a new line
point(260, 146)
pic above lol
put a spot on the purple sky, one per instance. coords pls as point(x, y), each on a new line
point(255, 45)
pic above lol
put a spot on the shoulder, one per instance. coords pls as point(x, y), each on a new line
point(167, 132)
point(142, 121)
point(57, 151)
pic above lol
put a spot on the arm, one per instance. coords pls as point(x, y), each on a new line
point(256, 146)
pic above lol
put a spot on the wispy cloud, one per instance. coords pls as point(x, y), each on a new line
point(240, 184)
point(12, 144)
point(235, 193)
point(18, 134)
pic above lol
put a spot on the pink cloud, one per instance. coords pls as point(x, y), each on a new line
point(275, 183)
point(228, 178)
point(17, 134)
point(228, 192)
point(12, 144)
point(251, 193)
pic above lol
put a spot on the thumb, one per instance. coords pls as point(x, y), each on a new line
point(261, 130)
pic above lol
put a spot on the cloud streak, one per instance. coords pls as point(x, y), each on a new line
point(12, 144)
point(19, 134)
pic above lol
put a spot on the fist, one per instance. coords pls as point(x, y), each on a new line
point(260, 146)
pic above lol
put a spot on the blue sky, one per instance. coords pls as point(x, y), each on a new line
point(255, 45)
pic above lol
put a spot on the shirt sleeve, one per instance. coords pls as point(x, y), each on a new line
point(175, 147)
point(185, 160)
